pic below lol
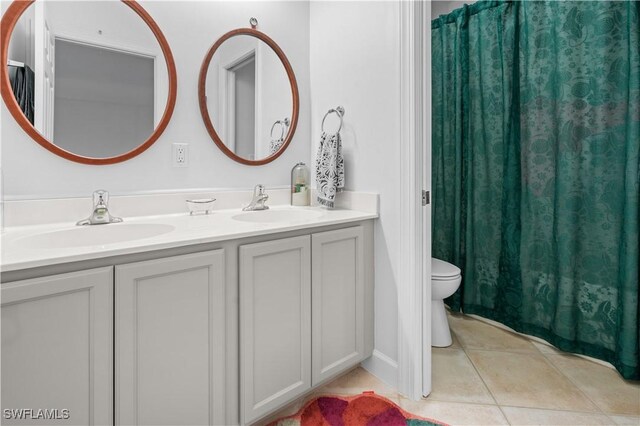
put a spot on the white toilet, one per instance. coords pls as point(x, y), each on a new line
point(445, 280)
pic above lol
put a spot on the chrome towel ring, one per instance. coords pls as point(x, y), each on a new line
point(339, 111)
point(283, 125)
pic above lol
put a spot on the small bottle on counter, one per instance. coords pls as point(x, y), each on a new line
point(300, 191)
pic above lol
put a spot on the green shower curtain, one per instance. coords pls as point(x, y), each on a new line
point(536, 174)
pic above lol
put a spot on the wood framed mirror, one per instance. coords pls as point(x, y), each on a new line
point(248, 96)
point(92, 82)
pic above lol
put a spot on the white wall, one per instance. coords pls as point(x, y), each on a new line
point(191, 28)
point(355, 62)
point(20, 48)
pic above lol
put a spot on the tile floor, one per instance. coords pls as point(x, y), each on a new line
point(490, 376)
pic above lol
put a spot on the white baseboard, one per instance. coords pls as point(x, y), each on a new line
point(383, 367)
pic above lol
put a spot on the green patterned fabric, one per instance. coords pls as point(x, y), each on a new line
point(536, 169)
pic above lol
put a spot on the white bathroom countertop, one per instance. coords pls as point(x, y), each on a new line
point(21, 248)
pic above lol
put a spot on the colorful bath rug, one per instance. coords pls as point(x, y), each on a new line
point(367, 409)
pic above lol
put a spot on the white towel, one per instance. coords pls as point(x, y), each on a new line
point(329, 169)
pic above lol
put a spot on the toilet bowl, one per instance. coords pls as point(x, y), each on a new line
point(445, 280)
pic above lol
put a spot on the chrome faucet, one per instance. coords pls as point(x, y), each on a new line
point(100, 214)
point(259, 198)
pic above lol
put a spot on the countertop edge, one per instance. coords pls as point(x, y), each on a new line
point(143, 248)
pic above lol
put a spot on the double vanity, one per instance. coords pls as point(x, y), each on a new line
point(216, 318)
point(155, 315)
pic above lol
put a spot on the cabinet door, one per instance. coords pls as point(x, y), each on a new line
point(57, 347)
point(275, 324)
point(170, 340)
point(337, 301)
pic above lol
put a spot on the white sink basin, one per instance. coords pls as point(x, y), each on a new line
point(94, 235)
point(277, 216)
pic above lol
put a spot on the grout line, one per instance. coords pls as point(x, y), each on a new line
point(513, 351)
point(530, 338)
point(613, 422)
point(519, 337)
point(548, 359)
point(559, 353)
point(457, 401)
point(509, 351)
point(626, 416)
point(500, 406)
point(595, 404)
point(544, 357)
point(464, 349)
point(487, 387)
point(481, 378)
point(593, 413)
point(540, 350)
point(553, 366)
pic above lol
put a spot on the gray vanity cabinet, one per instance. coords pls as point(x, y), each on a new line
point(220, 334)
point(169, 337)
point(302, 314)
point(275, 324)
point(338, 298)
point(57, 346)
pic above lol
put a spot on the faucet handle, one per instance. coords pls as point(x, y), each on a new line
point(100, 197)
point(100, 213)
point(259, 198)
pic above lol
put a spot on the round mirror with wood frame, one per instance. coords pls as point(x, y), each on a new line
point(9, 20)
point(279, 123)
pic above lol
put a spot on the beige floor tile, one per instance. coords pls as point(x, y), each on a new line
point(474, 334)
point(456, 342)
point(626, 420)
point(455, 413)
point(546, 349)
point(358, 381)
point(527, 380)
point(289, 410)
point(536, 416)
point(603, 385)
point(455, 379)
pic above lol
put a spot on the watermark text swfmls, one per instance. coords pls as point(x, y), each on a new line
point(36, 413)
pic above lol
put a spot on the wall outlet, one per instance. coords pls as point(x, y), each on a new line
point(180, 154)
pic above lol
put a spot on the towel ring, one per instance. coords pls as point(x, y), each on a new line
point(339, 111)
point(283, 124)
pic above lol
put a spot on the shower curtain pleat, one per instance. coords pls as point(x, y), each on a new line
point(536, 169)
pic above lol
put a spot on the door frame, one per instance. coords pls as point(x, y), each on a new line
point(227, 82)
point(414, 291)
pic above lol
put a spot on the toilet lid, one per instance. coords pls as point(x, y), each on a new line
point(442, 269)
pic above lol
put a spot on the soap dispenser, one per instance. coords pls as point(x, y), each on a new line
point(300, 191)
